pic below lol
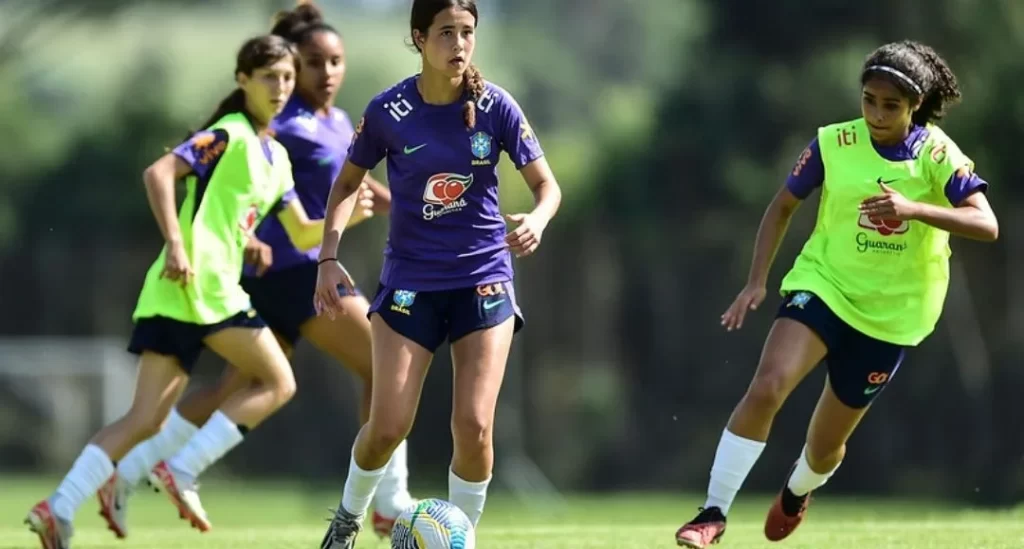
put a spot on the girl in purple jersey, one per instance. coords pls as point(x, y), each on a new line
point(280, 277)
point(447, 272)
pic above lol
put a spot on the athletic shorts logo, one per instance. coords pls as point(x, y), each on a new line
point(402, 300)
point(490, 290)
point(800, 299)
point(444, 194)
point(875, 381)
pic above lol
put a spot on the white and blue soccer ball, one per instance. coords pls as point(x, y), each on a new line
point(433, 524)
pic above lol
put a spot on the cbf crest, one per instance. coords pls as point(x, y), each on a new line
point(480, 144)
point(402, 300)
point(799, 299)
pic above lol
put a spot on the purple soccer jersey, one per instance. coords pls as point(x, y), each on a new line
point(809, 172)
point(317, 146)
point(446, 230)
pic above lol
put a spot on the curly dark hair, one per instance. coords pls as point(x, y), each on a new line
point(920, 73)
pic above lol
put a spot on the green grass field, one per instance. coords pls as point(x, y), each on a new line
point(262, 515)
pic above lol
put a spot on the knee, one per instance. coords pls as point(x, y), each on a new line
point(472, 430)
point(145, 423)
point(385, 436)
point(767, 392)
point(286, 388)
point(824, 457)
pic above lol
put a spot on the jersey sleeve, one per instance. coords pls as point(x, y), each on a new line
point(517, 137)
point(950, 170)
point(808, 173)
point(368, 146)
point(287, 189)
point(203, 151)
point(962, 184)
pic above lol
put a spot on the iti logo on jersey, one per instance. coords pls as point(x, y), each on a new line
point(480, 144)
point(444, 194)
point(249, 219)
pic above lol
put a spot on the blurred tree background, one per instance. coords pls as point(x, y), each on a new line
point(670, 124)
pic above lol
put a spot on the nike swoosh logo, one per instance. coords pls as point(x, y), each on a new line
point(410, 150)
point(887, 182)
point(492, 304)
point(872, 390)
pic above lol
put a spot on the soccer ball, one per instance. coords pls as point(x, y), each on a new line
point(433, 524)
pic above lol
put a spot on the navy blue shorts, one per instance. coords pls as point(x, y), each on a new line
point(285, 298)
point(859, 366)
point(430, 317)
point(183, 340)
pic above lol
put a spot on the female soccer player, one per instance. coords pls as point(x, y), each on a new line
point(869, 283)
point(448, 270)
point(316, 136)
point(192, 298)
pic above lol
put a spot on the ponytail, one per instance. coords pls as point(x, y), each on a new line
point(475, 85)
point(234, 102)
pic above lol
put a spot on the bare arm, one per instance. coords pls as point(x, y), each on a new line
point(973, 218)
point(774, 224)
point(525, 239)
point(159, 180)
point(304, 233)
point(547, 195)
point(340, 204)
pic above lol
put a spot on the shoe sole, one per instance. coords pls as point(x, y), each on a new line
point(39, 527)
point(694, 545)
point(184, 512)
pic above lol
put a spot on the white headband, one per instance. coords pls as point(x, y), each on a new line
point(898, 74)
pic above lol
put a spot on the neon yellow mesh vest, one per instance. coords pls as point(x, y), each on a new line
point(886, 279)
point(216, 220)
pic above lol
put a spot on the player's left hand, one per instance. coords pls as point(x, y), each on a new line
point(258, 253)
point(889, 205)
point(526, 238)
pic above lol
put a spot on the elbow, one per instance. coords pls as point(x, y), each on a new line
point(990, 232)
point(151, 177)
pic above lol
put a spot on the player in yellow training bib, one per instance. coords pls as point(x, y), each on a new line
point(235, 175)
point(869, 282)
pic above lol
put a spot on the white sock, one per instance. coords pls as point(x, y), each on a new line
point(804, 479)
point(91, 470)
point(734, 459)
point(359, 488)
point(140, 461)
point(468, 496)
point(209, 444)
point(393, 489)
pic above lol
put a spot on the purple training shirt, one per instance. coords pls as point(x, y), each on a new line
point(447, 231)
point(809, 172)
point(317, 146)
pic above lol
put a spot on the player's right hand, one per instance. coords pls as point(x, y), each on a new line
point(258, 253)
point(176, 264)
point(749, 299)
point(329, 276)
